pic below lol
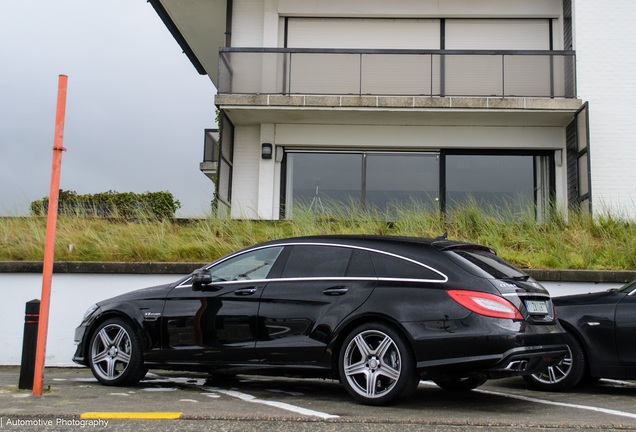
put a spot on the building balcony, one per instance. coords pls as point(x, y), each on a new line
point(397, 73)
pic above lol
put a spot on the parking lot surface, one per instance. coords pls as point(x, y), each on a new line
point(74, 400)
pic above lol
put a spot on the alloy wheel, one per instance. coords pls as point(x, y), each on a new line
point(557, 373)
point(111, 351)
point(372, 364)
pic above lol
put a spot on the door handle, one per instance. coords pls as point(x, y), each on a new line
point(245, 291)
point(336, 291)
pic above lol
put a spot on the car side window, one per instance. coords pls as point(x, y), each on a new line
point(392, 267)
point(255, 264)
point(307, 261)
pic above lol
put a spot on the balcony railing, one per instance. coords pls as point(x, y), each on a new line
point(288, 71)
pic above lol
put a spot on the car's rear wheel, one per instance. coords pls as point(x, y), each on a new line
point(115, 353)
point(565, 375)
point(376, 365)
point(461, 384)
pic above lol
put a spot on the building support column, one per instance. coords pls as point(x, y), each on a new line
point(267, 187)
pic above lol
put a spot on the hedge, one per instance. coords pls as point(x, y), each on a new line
point(111, 204)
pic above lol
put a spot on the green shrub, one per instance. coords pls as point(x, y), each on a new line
point(112, 205)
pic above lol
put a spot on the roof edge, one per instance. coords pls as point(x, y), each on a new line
point(174, 30)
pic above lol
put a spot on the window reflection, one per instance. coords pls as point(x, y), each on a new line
point(385, 182)
point(322, 180)
point(394, 180)
point(490, 181)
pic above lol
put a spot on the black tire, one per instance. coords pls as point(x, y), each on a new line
point(565, 375)
point(376, 365)
point(461, 384)
point(115, 353)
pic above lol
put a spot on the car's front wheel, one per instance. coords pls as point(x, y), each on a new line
point(565, 375)
point(377, 365)
point(115, 353)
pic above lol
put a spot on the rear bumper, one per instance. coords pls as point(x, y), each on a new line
point(528, 360)
point(514, 362)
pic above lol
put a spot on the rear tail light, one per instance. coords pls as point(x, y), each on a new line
point(486, 304)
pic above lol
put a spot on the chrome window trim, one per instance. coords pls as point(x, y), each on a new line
point(443, 279)
point(301, 279)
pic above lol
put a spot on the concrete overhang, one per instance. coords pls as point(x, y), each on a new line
point(407, 111)
point(199, 27)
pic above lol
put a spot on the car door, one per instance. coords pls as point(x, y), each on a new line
point(320, 285)
point(217, 322)
point(626, 327)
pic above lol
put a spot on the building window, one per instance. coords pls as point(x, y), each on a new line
point(404, 179)
point(384, 181)
point(507, 182)
point(376, 181)
point(319, 181)
point(491, 181)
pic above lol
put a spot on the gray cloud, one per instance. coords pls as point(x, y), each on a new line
point(136, 108)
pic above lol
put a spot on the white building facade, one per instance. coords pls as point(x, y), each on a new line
point(509, 103)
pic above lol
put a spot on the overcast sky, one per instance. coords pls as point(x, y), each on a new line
point(136, 107)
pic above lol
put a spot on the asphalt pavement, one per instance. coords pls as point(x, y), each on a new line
point(175, 401)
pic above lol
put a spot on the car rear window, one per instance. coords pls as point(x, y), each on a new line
point(486, 264)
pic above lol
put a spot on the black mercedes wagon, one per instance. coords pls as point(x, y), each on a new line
point(377, 313)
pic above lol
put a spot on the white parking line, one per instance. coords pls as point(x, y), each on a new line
point(548, 402)
point(285, 406)
point(563, 404)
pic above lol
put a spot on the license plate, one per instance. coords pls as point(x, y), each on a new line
point(537, 307)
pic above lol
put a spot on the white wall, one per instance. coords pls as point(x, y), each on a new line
point(606, 61)
point(245, 173)
point(256, 23)
point(421, 137)
point(422, 8)
point(72, 294)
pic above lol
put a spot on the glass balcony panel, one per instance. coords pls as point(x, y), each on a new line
point(472, 75)
point(318, 73)
point(528, 76)
point(389, 74)
point(386, 72)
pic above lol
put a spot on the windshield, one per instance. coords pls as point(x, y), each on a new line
point(486, 264)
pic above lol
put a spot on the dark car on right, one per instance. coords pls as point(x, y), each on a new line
point(601, 338)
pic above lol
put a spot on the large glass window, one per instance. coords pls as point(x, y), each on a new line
point(375, 181)
point(321, 180)
point(491, 181)
point(401, 180)
point(510, 183)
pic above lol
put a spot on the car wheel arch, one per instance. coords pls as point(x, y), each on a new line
point(575, 333)
point(108, 314)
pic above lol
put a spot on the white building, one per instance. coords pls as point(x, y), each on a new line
point(510, 102)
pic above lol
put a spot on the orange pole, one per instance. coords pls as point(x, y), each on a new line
point(49, 247)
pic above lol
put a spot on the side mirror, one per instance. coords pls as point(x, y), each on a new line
point(200, 279)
